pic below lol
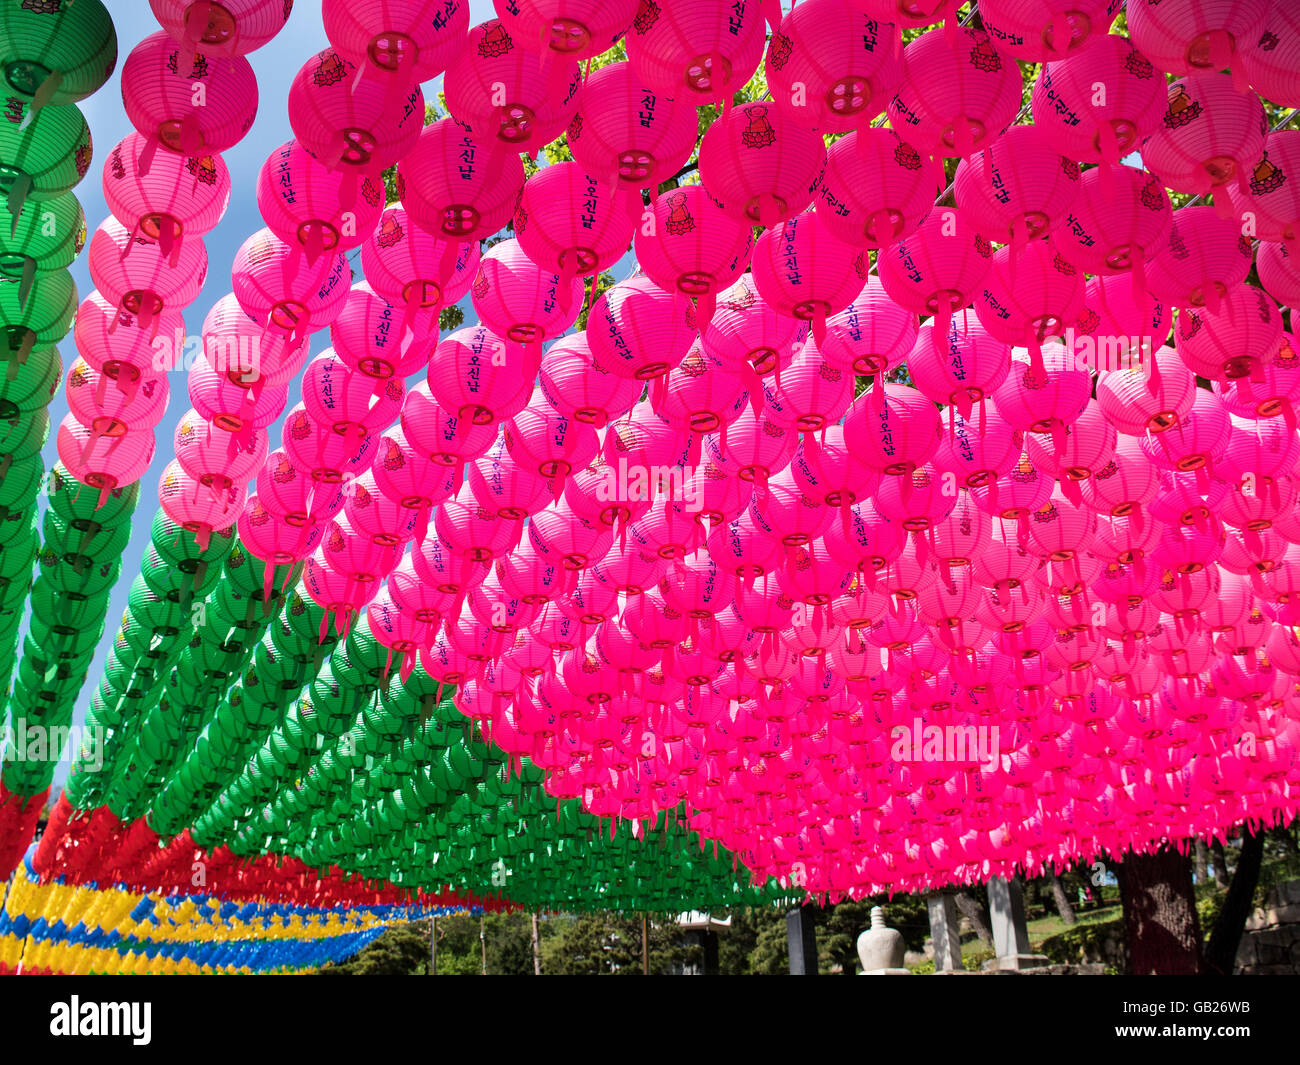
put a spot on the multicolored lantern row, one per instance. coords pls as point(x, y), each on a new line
point(875, 534)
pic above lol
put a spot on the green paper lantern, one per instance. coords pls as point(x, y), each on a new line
point(21, 482)
point(43, 153)
point(27, 387)
point(56, 51)
point(73, 499)
point(37, 316)
point(22, 436)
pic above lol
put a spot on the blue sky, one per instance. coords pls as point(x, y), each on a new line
point(275, 65)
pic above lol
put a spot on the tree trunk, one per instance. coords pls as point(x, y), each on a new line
point(537, 950)
point(1201, 860)
point(1220, 864)
point(976, 914)
point(1062, 901)
point(1160, 922)
point(1221, 951)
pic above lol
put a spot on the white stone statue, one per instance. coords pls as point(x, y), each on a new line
point(880, 949)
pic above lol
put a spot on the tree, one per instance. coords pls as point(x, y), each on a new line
point(1160, 919)
point(976, 912)
point(595, 944)
point(1221, 950)
point(1062, 900)
point(1201, 860)
point(402, 950)
point(1220, 863)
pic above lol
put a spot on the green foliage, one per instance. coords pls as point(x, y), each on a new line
point(403, 950)
point(1083, 942)
point(610, 943)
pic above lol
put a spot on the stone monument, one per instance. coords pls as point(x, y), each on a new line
point(880, 949)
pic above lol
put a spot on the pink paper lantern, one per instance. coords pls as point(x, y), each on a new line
point(415, 41)
point(1041, 30)
point(1210, 138)
point(455, 184)
point(287, 301)
point(627, 134)
point(1098, 105)
point(693, 247)
point(372, 336)
point(104, 462)
point(576, 387)
point(1271, 195)
point(517, 299)
point(577, 28)
point(958, 92)
point(503, 93)
point(135, 274)
point(416, 269)
point(804, 271)
point(234, 27)
point(1018, 188)
point(939, 269)
point(760, 165)
point(1203, 260)
point(831, 66)
point(701, 51)
point(481, 377)
point(307, 204)
point(177, 197)
point(1271, 59)
point(1029, 297)
point(1195, 36)
point(875, 189)
point(163, 107)
point(349, 120)
point(198, 508)
point(1242, 338)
